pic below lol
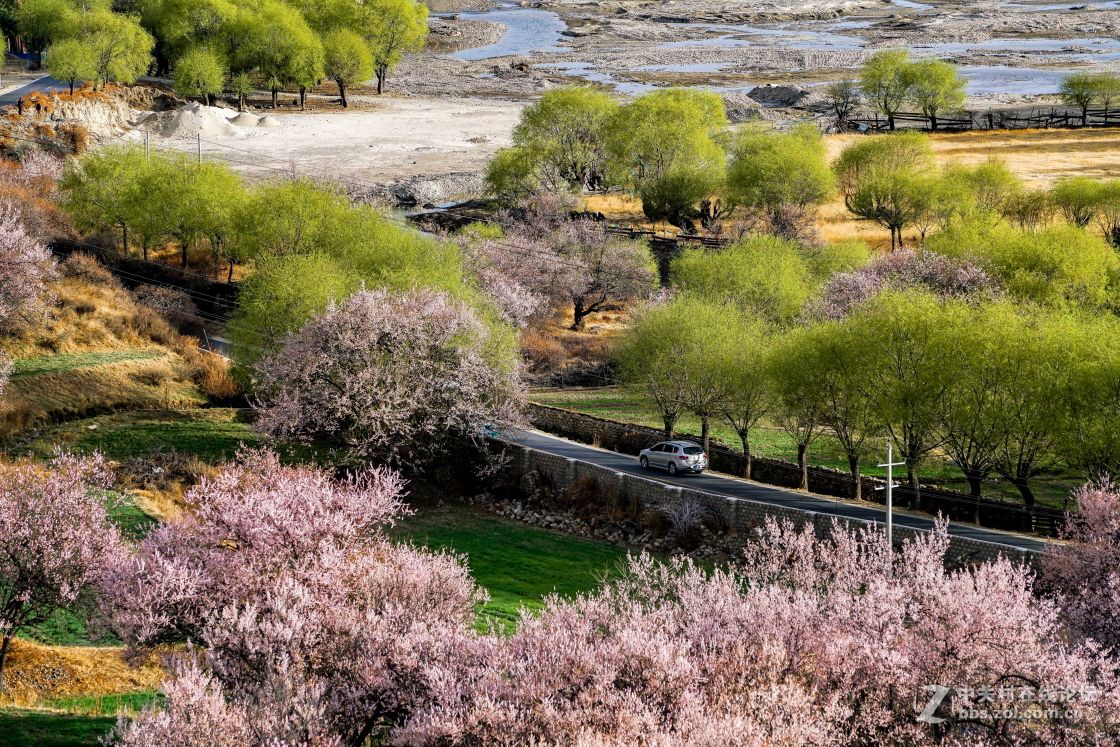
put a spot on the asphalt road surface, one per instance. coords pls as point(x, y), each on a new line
point(45, 84)
point(721, 484)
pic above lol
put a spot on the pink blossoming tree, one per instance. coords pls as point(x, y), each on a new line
point(904, 269)
point(815, 645)
point(314, 625)
point(401, 377)
point(55, 537)
point(1085, 572)
point(566, 260)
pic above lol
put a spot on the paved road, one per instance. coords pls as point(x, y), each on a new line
point(714, 483)
point(45, 84)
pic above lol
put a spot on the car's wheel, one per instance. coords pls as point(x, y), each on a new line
point(672, 468)
point(644, 462)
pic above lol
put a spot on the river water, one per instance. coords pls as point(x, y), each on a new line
point(530, 30)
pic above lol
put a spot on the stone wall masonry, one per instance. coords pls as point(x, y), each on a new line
point(630, 438)
point(739, 514)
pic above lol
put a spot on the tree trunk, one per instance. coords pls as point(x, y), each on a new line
point(240, 102)
point(71, 87)
point(801, 449)
point(853, 465)
point(890, 121)
point(381, 73)
point(274, 91)
point(206, 98)
point(933, 122)
point(229, 278)
point(579, 317)
point(669, 421)
point(912, 477)
point(1024, 490)
point(302, 98)
point(705, 427)
point(183, 248)
point(746, 453)
point(342, 94)
point(1085, 117)
point(124, 238)
point(974, 479)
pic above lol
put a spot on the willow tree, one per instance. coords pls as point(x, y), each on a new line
point(393, 29)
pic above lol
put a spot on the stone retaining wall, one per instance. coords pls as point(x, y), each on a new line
point(630, 438)
point(739, 514)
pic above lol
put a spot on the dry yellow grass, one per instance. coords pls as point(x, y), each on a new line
point(80, 392)
point(36, 673)
point(1038, 157)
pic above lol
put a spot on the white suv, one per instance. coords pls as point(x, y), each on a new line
point(675, 456)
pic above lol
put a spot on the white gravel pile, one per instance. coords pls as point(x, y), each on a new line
point(189, 121)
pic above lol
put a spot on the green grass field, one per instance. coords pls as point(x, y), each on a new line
point(33, 727)
point(517, 564)
point(770, 441)
point(212, 434)
point(68, 722)
point(71, 361)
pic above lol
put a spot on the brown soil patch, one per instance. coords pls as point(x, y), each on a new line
point(36, 673)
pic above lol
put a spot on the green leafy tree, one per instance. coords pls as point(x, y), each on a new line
point(764, 275)
point(513, 174)
point(1078, 199)
point(241, 85)
point(393, 29)
point(121, 48)
point(182, 25)
point(1028, 209)
point(657, 132)
point(887, 81)
point(293, 229)
point(199, 72)
point(882, 179)
point(1108, 89)
point(893, 343)
point(1108, 210)
point(99, 190)
point(647, 359)
point(843, 98)
point(1059, 266)
point(675, 195)
point(798, 407)
point(193, 199)
point(1079, 90)
point(774, 172)
point(275, 39)
point(740, 366)
point(44, 22)
point(1033, 396)
point(816, 364)
point(71, 60)
point(564, 134)
point(936, 87)
point(347, 60)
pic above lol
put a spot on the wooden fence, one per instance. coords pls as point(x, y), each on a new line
point(1035, 119)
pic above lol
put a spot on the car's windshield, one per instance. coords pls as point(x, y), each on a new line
point(693, 450)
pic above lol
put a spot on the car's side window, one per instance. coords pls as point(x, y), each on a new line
point(671, 449)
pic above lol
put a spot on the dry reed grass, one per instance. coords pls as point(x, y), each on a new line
point(37, 673)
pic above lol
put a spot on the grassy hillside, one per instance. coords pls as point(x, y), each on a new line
point(98, 351)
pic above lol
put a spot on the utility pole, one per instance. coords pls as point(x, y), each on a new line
point(199, 136)
point(890, 465)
